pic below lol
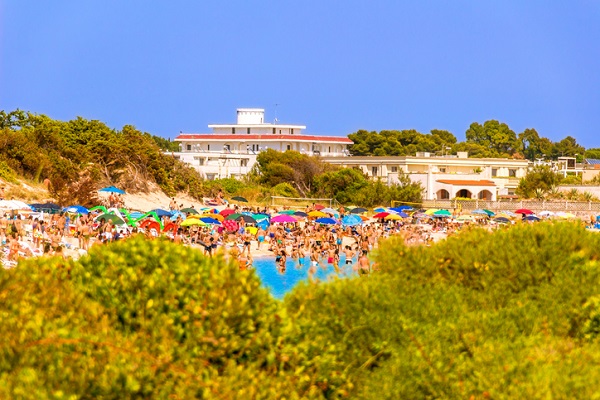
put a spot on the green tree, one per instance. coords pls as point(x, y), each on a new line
point(495, 135)
point(540, 177)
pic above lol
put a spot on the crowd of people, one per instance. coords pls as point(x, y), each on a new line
point(305, 242)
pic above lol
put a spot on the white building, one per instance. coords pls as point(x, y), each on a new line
point(445, 177)
point(231, 149)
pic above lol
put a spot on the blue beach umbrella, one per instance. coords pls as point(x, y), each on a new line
point(112, 189)
point(326, 221)
point(401, 208)
point(76, 209)
point(351, 220)
point(210, 221)
point(162, 213)
point(379, 209)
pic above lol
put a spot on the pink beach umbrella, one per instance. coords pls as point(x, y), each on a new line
point(283, 218)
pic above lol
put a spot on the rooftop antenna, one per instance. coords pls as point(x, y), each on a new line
point(276, 120)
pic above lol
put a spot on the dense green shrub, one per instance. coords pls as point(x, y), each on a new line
point(510, 314)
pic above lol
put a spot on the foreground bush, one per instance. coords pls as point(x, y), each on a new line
point(513, 314)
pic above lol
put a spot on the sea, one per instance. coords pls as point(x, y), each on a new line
point(280, 283)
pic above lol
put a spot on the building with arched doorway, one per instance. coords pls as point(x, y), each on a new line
point(444, 177)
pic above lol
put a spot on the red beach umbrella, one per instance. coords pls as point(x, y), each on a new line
point(226, 212)
point(230, 225)
point(523, 211)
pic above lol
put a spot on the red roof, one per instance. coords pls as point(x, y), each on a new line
point(462, 182)
point(277, 138)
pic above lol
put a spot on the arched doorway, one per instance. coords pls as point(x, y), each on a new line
point(485, 195)
point(443, 194)
point(464, 193)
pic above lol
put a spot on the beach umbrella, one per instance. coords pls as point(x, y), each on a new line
point(481, 212)
point(232, 217)
point(252, 230)
point(284, 218)
point(162, 213)
point(246, 218)
point(382, 214)
point(352, 220)
point(288, 212)
point(263, 224)
point(176, 214)
point(546, 213)
point(317, 214)
point(239, 198)
point(393, 217)
point(210, 221)
point(218, 217)
point(47, 207)
point(319, 207)
point(326, 221)
point(431, 211)
point(523, 211)
point(379, 209)
point(532, 218)
point(14, 205)
point(230, 225)
point(401, 208)
point(501, 220)
point(76, 209)
point(358, 210)
point(260, 216)
point(209, 210)
point(110, 217)
point(192, 222)
point(330, 211)
point(566, 215)
point(300, 214)
point(442, 213)
point(489, 212)
point(189, 210)
point(465, 218)
point(226, 212)
point(112, 189)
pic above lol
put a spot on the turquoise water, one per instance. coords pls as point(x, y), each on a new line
point(280, 283)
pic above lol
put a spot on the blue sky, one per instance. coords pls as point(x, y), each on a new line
point(335, 66)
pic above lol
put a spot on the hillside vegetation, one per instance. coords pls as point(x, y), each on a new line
point(513, 314)
point(78, 157)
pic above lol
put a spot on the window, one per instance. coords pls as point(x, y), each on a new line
point(329, 149)
point(233, 131)
point(208, 147)
point(374, 171)
point(189, 147)
point(494, 171)
point(289, 147)
point(244, 162)
point(512, 173)
point(394, 169)
point(200, 160)
point(274, 131)
point(226, 148)
point(248, 131)
point(291, 131)
point(280, 131)
point(443, 170)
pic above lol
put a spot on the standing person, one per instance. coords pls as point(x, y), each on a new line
point(3, 227)
point(84, 234)
point(364, 266)
point(349, 253)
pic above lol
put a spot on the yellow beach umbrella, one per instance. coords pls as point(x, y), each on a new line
point(317, 214)
point(431, 211)
point(393, 217)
